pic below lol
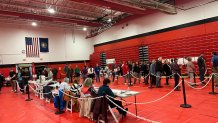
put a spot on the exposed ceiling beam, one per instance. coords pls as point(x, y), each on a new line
point(68, 8)
point(113, 6)
point(47, 18)
point(162, 6)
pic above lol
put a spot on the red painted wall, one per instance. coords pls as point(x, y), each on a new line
point(189, 41)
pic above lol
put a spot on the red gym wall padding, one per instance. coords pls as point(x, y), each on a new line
point(178, 43)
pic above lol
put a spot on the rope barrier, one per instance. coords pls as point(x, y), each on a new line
point(37, 91)
point(165, 76)
point(142, 118)
point(149, 101)
point(198, 83)
point(198, 88)
point(201, 87)
point(138, 77)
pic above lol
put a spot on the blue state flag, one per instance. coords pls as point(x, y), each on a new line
point(43, 44)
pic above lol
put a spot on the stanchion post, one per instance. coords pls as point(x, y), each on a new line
point(28, 92)
point(213, 92)
point(185, 105)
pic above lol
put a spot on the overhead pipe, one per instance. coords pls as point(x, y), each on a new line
point(46, 18)
point(162, 6)
point(69, 8)
point(44, 10)
point(112, 5)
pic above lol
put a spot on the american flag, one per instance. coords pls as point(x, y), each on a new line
point(32, 47)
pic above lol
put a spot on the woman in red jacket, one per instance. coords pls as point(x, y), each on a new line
point(125, 70)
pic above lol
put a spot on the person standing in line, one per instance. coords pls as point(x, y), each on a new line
point(202, 68)
point(55, 73)
point(136, 71)
point(142, 65)
point(77, 74)
point(145, 71)
point(215, 67)
point(107, 72)
point(167, 71)
point(113, 72)
point(12, 75)
point(91, 72)
point(84, 73)
point(68, 72)
point(66, 69)
point(125, 70)
point(177, 73)
point(130, 68)
point(159, 70)
point(190, 70)
point(171, 66)
point(121, 71)
point(97, 73)
point(1, 81)
point(50, 74)
point(71, 72)
point(153, 73)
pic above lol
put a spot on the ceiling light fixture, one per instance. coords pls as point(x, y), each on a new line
point(51, 10)
point(109, 20)
point(34, 24)
point(84, 29)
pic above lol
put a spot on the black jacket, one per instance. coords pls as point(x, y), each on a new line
point(167, 69)
point(145, 68)
point(136, 69)
point(201, 62)
point(2, 78)
point(159, 66)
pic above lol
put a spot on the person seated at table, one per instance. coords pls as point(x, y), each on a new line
point(87, 91)
point(47, 91)
point(105, 89)
point(75, 89)
point(59, 97)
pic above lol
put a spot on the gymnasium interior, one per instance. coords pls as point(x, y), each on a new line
point(109, 61)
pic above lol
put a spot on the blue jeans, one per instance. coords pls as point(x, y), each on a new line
point(97, 77)
point(202, 72)
point(158, 78)
point(59, 98)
